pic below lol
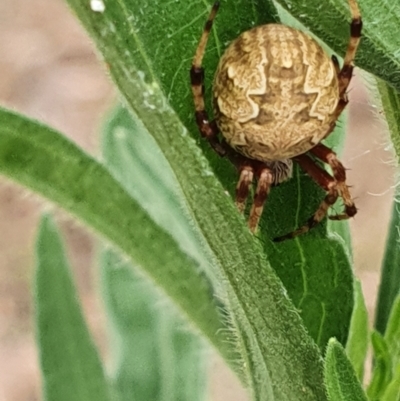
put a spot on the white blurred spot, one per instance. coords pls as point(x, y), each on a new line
point(97, 6)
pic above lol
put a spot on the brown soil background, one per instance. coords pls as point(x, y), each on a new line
point(48, 70)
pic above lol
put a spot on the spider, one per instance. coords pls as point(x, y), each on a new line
point(276, 96)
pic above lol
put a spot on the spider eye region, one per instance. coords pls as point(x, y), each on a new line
point(275, 93)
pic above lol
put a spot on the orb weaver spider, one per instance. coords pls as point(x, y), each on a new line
point(276, 96)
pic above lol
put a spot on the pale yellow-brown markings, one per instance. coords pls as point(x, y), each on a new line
point(275, 93)
point(198, 97)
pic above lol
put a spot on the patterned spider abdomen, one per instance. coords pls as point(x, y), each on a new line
point(275, 93)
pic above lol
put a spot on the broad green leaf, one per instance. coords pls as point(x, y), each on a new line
point(266, 321)
point(340, 378)
point(389, 287)
point(378, 52)
point(357, 343)
point(392, 392)
point(317, 274)
point(156, 357)
point(382, 371)
point(70, 364)
point(46, 162)
point(315, 268)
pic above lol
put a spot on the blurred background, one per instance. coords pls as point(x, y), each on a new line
point(49, 71)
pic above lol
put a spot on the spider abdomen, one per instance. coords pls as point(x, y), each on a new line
point(275, 93)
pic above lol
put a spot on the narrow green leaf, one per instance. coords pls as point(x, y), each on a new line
point(357, 343)
point(69, 361)
point(392, 392)
point(46, 162)
point(340, 378)
point(382, 371)
point(136, 161)
point(149, 332)
point(156, 356)
point(390, 99)
point(391, 386)
point(392, 333)
point(389, 286)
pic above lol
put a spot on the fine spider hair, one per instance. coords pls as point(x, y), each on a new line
point(251, 103)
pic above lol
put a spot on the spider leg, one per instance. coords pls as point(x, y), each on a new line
point(325, 154)
point(265, 181)
point(324, 180)
point(207, 129)
point(243, 187)
point(265, 177)
point(346, 72)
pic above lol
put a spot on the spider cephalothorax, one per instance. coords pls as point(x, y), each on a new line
point(276, 96)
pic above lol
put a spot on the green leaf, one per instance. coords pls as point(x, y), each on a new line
point(392, 392)
point(317, 274)
point(389, 287)
point(390, 99)
point(69, 361)
point(136, 161)
point(392, 334)
point(340, 377)
point(357, 343)
point(46, 162)
point(385, 384)
point(382, 371)
point(156, 356)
